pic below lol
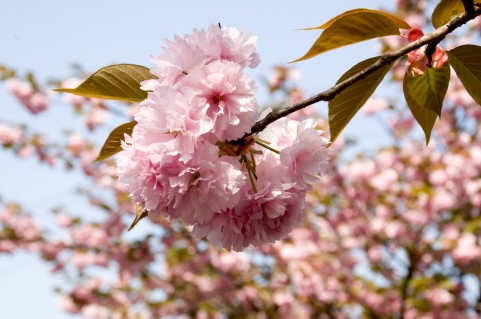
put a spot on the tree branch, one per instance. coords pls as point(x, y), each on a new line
point(405, 284)
point(468, 6)
point(435, 37)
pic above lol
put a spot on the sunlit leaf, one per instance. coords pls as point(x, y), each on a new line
point(119, 82)
point(424, 95)
point(113, 143)
point(399, 22)
point(466, 62)
point(140, 213)
point(346, 104)
point(446, 10)
point(429, 89)
point(359, 25)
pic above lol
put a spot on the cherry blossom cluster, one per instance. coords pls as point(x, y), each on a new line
point(33, 99)
point(418, 59)
point(392, 234)
point(188, 157)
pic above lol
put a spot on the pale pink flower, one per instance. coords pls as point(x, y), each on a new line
point(139, 173)
point(67, 304)
point(443, 199)
point(475, 155)
point(34, 101)
point(401, 126)
point(10, 135)
point(467, 249)
point(304, 160)
point(231, 261)
point(416, 20)
point(417, 59)
point(438, 296)
point(93, 311)
point(82, 259)
point(416, 217)
point(193, 191)
point(385, 179)
point(283, 298)
point(359, 170)
point(97, 115)
point(375, 105)
point(229, 95)
point(273, 214)
point(169, 120)
point(177, 60)
point(20, 88)
point(37, 103)
point(374, 254)
point(451, 232)
point(438, 177)
point(206, 185)
point(76, 144)
point(226, 44)
point(225, 230)
point(395, 229)
point(260, 217)
point(473, 189)
point(89, 235)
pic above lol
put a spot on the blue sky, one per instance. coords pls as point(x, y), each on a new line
point(47, 37)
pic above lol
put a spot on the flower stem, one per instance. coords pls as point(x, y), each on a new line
point(252, 174)
point(267, 146)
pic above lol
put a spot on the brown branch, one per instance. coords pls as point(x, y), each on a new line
point(405, 284)
point(468, 6)
point(434, 37)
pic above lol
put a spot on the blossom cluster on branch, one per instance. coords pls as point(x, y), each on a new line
point(393, 233)
point(182, 160)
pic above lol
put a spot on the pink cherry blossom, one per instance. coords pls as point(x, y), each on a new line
point(10, 135)
point(418, 62)
point(229, 96)
point(228, 44)
point(178, 60)
point(34, 101)
point(171, 121)
point(193, 191)
point(260, 217)
point(307, 155)
point(467, 249)
point(375, 105)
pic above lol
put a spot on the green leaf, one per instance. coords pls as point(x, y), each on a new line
point(466, 62)
point(446, 10)
point(430, 88)
point(352, 27)
point(424, 95)
point(346, 104)
point(113, 143)
point(139, 214)
point(119, 82)
point(399, 22)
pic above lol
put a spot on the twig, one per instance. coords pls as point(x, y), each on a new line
point(434, 37)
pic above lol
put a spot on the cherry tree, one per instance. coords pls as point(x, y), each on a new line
point(251, 212)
